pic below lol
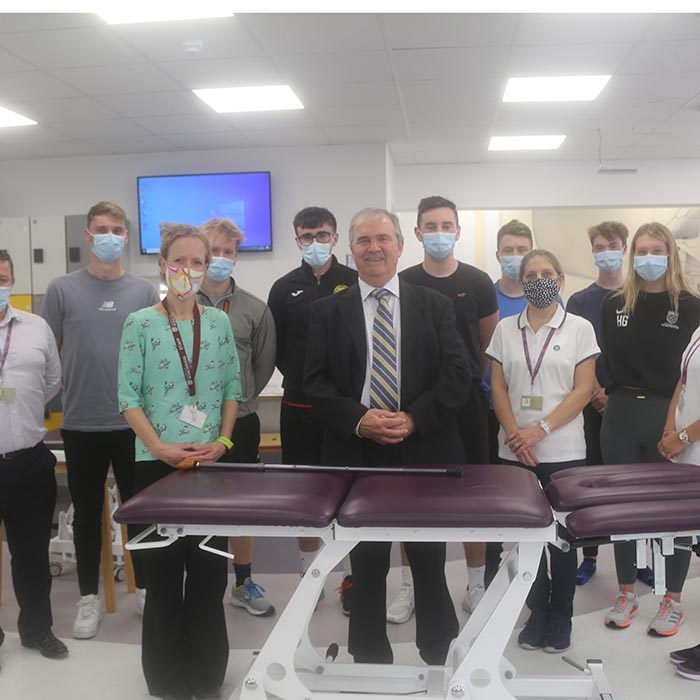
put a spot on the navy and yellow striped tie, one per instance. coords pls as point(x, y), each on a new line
point(383, 388)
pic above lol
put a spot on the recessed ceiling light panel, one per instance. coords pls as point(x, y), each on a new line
point(10, 118)
point(563, 88)
point(264, 98)
point(526, 143)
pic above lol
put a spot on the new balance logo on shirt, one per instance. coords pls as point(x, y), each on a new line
point(108, 306)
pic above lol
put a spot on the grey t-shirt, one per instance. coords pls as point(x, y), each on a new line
point(88, 315)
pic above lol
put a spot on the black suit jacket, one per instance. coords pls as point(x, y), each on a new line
point(435, 375)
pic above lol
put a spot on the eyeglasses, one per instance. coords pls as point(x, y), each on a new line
point(320, 236)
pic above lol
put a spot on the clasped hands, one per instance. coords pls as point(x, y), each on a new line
point(386, 427)
point(522, 442)
point(176, 452)
point(670, 446)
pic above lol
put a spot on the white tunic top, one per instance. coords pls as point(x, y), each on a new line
point(688, 409)
point(572, 342)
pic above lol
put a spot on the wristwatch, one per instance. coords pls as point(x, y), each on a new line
point(545, 426)
point(683, 437)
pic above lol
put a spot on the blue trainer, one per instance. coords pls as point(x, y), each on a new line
point(585, 571)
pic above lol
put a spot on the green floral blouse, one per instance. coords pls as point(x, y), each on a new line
point(150, 374)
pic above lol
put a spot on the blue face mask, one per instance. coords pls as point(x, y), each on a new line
point(4, 297)
point(608, 260)
point(439, 245)
point(220, 269)
point(316, 254)
point(510, 265)
point(107, 246)
point(651, 267)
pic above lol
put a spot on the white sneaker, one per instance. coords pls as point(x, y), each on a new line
point(140, 600)
point(472, 597)
point(402, 606)
point(88, 618)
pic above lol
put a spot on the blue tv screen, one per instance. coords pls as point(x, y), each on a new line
point(193, 199)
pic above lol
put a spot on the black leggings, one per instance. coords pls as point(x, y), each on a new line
point(633, 422)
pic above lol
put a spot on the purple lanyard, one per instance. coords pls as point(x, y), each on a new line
point(684, 370)
point(6, 349)
point(539, 359)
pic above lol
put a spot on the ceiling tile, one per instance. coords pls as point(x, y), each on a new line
point(666, 27)
point(683, 86)
point(286, 137)
point(358, 116)
point(315, 33)
point(73, 108)
point(223, 37)
point(663, 57)
point(363, 134)
point(32, 85)
point(442, 30)
point(68, 48)
point(108, 80)
point(71, 147)
point(138, 144)
point(546, 28)
point(39, 21)
point(566, 59)
point(448, 64)
point(183, 124)
point(228, 139)
point(150, 104)
point(281, 119)
point(100, 128)
point(315, 95)
point(347, 67)
point(230, 72)
point(10, 62)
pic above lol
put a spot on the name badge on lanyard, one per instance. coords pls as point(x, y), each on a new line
point(7, 394)
point(533, 402)
point(190, 414)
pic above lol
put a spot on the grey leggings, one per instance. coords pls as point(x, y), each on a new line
point(632, 427)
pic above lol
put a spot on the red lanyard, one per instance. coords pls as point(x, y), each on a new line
point(539, 359)
point(189, 370)
point(686, 361)
point(6, 349)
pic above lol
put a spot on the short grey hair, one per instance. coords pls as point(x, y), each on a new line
point(373, 213)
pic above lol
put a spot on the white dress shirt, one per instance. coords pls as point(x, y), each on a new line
point(369, 308)
point(573, 342)
point(33, 370)
point(688, 408)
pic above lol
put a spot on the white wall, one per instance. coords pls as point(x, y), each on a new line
point(529, 185)
point(342, 178)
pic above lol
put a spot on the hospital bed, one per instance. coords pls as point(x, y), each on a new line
point(473, 504)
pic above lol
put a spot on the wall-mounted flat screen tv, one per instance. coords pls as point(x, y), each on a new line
point(194, 199)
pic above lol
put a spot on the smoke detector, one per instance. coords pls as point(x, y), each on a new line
point(193, 46)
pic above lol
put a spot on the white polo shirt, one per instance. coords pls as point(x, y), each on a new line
point(688, 409)
point(572, 342)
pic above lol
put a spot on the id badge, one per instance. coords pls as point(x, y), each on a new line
point(193, 416)
point(7, 394)
point(531, 403)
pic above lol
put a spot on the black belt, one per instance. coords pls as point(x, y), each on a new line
point(17, 453)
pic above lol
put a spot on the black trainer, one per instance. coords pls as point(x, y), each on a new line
point(557, 633)
point(47, 645)
point(533, 632)
point(690, 670)
point(683, 655)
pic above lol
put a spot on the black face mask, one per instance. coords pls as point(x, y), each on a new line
point(541, 292)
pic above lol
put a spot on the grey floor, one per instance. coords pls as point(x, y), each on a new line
point(108, 666)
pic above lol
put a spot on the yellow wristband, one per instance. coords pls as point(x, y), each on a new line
point(225, 442)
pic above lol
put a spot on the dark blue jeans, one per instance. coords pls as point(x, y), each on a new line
point(555, 592)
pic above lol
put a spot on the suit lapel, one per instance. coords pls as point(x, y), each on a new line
point(351, 311)
point(410, 327)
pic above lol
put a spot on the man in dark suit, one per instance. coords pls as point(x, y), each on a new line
point(404, 416)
